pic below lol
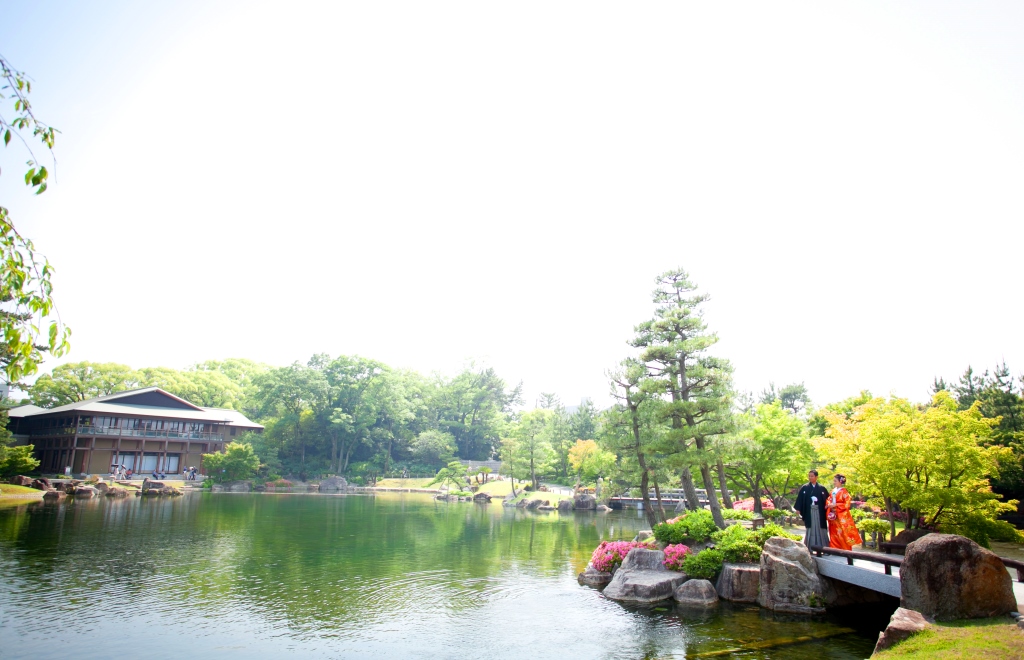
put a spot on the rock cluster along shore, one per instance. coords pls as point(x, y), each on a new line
point(943, 578)
point(583, 502)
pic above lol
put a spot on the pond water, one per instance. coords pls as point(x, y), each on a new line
point(307, 575)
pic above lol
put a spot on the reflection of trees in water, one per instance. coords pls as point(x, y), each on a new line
point(314, 560)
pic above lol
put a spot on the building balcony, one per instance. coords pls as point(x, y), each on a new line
point(113, 431)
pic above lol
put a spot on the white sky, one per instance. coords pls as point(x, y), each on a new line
point(427, 183)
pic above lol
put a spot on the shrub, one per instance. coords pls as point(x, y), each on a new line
point(760, 536)
point(875, 526)
point(859, 515)
point(705, 564)
point(281, 483)
point(674, 556)
point(695, 527)
point(774, 514)
point(738, 514)
point(983, 530)
point(238, 462)
point(610, 554)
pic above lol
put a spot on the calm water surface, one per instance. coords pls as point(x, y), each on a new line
point(324, 576)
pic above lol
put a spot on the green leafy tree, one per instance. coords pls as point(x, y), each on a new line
point(589, 461)
point(473, 407)
point(772, 441)
point(26, 287)
point(79, 381)
point(237, 463)
point(433, 447)
point(14, 460)
point(696, 385)
point(452, 475)
point(793, 397)
point(532, 432)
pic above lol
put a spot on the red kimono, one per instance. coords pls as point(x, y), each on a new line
point(842, 531)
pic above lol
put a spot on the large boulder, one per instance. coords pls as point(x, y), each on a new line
point(739, 582)
point(117, 491)
point(565, 506)
point(533, 504)
point(903, 624)
point(148, 483)
point(601, 508)
point(332, 484)
point(85, 492)
point(42, 483)
point(21, 481)
point(643, 578)
point(696, 593)
point(594, 578)
point(789, 581)
point(948, 577)
point(584, 502)
point(54, 494)
point(482, 498)
point(102, 488)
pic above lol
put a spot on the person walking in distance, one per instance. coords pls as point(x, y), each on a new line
point(810, 502)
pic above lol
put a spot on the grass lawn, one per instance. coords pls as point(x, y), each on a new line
point(980, 639)
point(404, 483)
point(11, 489)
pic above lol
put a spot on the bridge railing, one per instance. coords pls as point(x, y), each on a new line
point(895, 560)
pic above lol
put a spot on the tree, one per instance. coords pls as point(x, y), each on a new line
point(473, 406)
point(583, 422)
point(237, 463)
point(79, 381)
point(532, 433)
point(26, 287)
point(772, 441)
point(794, 397)
point(433, 447)
point(14, 460)
point(560, 435)
point(818, 422)
point(674, 346)
point(589, 460)
point(453, 475)
point(934, 463)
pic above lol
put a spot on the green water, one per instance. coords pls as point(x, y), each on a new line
point(308, 575)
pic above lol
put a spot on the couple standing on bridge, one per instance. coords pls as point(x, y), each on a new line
point(816, 505)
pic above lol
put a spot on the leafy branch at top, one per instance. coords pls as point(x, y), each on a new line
point(16, 85)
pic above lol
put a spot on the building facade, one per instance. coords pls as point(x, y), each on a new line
point(146, 430)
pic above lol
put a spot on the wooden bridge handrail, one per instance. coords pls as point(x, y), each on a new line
point(895, 560)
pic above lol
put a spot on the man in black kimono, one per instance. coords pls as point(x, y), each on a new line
point(810, 502)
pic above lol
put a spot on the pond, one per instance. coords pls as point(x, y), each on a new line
point(307, 575)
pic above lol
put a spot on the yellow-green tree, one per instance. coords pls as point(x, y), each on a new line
point(238, 462)
point(589, 461)
point(933, 462)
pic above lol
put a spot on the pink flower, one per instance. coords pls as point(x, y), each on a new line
point(674, 555)
point(611, 553)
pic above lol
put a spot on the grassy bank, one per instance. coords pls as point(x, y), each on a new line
point(980, 639)
point(404, 483)
point(10, 490)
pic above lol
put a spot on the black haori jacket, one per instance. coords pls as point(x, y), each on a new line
point(803, 502)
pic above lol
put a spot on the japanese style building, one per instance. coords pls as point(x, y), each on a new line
point(145, 430)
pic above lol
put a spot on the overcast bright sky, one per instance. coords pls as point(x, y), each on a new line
point(426, 183)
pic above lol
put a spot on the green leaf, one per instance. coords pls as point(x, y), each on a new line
point(7, 137)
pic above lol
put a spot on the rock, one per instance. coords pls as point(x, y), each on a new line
point(903, 624)
point(789, 581)
point(232, 487)
point(54, 494)
point(696, 593)
point(603, 509)
point(533, 504)
point(584, 502)
point(260, 488)
point(117, 491)
point(85, 492)
point(739, 583)
point(148, 483)
point(482, 498)
point(545, 507)
point(643, 578)
point(152, 492)
point(594, 578)
point(333, 484)
point(643, 535)
point(42, 483)
point(521, 504)
point(564, 506)
point(948, 577)
point(102, 487)
point(21, 481)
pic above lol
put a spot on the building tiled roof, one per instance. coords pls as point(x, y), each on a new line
point(109, 405)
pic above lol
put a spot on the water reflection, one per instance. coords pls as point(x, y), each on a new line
point(339, 576)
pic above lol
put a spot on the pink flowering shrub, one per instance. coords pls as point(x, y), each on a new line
point(674, 555)
point(748, 504)
point(611, 553)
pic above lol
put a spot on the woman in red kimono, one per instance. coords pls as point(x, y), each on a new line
point(842, 531)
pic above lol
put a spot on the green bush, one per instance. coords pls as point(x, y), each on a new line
point(775, 514)
point(875, 526)
point(692, 527)
point(237, 463)
point(737, 514)
point(706, 564)
point(738, 545)
point(859, 515)
point(760, 536)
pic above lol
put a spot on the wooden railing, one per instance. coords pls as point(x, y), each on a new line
point(895, 560)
